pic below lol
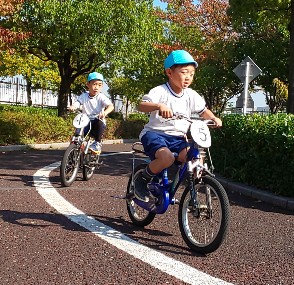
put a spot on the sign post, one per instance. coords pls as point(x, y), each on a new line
point(247, 70)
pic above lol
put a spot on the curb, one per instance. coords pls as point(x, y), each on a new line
point(56, 145)
point(255, 193)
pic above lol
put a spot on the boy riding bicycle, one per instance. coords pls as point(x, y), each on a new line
point(161, 138)
point(97, 106)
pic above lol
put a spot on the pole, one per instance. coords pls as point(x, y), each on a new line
point(246, 83)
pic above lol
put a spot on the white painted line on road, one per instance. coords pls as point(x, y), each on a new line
point(154, 258)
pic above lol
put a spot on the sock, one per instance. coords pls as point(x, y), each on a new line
point(148, 174)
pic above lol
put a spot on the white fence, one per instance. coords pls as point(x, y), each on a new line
point(13, 91)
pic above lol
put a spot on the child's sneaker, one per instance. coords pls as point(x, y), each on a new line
point(141, 191)
point(95, 147)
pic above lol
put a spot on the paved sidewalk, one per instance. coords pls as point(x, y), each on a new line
point(280, 201)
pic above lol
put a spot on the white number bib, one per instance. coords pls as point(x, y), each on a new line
point(80, 121)
point(201, 134)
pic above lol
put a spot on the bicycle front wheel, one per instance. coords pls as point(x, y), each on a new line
point(139, 216)
point(89, 165)
point(204, 226)
point(70, 165)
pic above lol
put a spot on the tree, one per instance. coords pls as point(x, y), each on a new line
point(264, 32)
point(7, 36)
point(83, 36)
point(132, 82)
point(290, 105)
point(38, 75)
point(277, 98)
point(206, 32)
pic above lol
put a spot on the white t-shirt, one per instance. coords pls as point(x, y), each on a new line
point(92, 106)
point(187, 103)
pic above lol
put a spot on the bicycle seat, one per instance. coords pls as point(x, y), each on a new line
point(137, 147)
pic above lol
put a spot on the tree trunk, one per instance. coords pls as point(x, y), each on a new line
point(29, 92)
point(64, 92)
point(290, 105)
point(127, 108)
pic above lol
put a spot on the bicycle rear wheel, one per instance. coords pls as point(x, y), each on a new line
point(139, 216)
point(70, 165)
point(204, 227)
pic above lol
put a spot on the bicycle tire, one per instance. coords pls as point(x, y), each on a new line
point(139, 216)
point(88, 170)
point(70, 165)
point(205, 229)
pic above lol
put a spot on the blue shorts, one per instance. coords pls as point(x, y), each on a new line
point(153, 141)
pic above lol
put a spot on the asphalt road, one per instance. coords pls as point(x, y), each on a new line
point(83, 235)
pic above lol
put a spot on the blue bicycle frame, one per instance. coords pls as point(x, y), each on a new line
point(164, 191)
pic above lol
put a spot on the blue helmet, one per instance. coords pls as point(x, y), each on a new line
point(179, 57)
point(95, 76)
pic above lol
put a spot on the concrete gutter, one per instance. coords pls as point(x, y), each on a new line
point(56, 145)
point(255, 193)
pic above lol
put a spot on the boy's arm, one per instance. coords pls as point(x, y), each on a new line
point(148, 107)
point(208, 115)
point(106, 111)
point(74, 106)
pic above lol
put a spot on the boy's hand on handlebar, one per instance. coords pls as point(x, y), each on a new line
point(71, 108)
point(101, 115)
point(164, 111)
point(217, 122)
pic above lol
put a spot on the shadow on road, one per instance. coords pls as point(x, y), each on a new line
point(130, 230)
point(36, 220)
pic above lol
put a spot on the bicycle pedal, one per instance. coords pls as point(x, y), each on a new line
point(99, 164)
point(177, 202)
point(119, 197)
point(130, 196)
point(153, 199)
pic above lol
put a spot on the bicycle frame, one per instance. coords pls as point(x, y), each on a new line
point(164, 190)
point(80, 137)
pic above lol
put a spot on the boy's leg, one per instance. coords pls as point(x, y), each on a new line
point(161, 158)
point(164, 159)
point(97, 130)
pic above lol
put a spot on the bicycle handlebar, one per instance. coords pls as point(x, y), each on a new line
point(178, 116)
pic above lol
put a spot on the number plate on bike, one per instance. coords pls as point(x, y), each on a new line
point(80, 121)
point(201, 134)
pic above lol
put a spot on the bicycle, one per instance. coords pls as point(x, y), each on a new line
point(203, 213)
point(78, 155)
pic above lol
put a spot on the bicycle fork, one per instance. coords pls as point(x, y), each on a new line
point(193, 201)
point(196, 167)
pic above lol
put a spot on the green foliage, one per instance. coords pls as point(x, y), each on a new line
point(263, 31)
point(82, 36)
point(24, 125)
point(138, 116)
point(41, 74)
point(123, 129)
point(203, 28)
point(116, 115)
point(257, 150)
